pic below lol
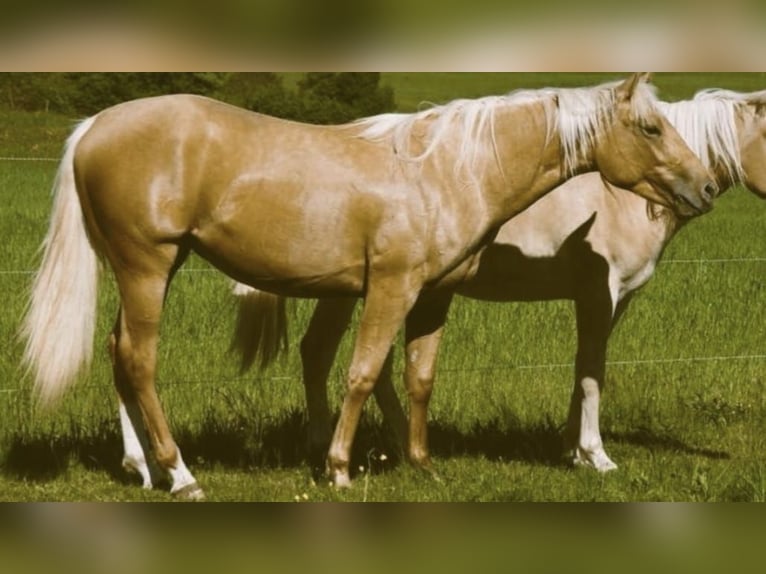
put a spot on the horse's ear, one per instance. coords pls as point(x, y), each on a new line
point(628, 88)
point(758, 100)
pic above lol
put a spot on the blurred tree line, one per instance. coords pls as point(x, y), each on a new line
point(319, 97)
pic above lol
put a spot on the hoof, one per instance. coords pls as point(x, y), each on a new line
point(139, 469)
point(318, 463)
point(598, 461)
point(341, 481)
point(427, 468)
point(191, 492)
point(435, 476)
point(337, 471)
point(339, 477)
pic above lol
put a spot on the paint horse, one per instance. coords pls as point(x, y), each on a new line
point(385, 208)
point(588, 241)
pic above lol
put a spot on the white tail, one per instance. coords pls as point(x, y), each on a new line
point(261, 333)
point(60, 320)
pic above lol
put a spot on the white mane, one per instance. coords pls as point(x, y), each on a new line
point(708, 125)
point(577, 115)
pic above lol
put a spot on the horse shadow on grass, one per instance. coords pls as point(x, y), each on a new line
point(272, 444)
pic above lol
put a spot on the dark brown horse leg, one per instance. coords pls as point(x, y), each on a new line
point(135, 359)
point(319, 346)
point(583, 442)
point(388, 402)
point(425, 326)
point(387, 303)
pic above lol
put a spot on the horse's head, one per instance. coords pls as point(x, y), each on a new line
point(641, 151)
point(752, 142)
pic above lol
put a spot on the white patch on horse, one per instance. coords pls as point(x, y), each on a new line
point(134, 459)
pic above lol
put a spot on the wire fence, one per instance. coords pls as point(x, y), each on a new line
point(216, 379)
point(41, 159)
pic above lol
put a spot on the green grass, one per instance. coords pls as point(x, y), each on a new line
point(682, 429)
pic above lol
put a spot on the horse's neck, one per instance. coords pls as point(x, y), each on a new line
point(532, 163)
point(633, 230)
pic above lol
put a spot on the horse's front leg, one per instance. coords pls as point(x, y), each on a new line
point(386, 305)
point(583, 442)
point(424, 329)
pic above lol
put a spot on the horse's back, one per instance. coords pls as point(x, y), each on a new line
point(162, 165)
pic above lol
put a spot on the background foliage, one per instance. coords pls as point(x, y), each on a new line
point(323, 97)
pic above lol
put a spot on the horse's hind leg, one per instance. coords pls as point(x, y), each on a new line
point(137, 449)
point(319, 346)
point(388, 402)
point(423, 333)
point(135, 357)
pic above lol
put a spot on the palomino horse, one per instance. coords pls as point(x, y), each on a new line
point(587, 241)
point(382, 209)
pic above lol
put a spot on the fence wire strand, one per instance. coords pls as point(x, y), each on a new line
point(41, 159)
point(255, 380)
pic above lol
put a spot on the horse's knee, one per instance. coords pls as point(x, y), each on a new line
point(420, 385)
point(361, 384)
point(361, 388)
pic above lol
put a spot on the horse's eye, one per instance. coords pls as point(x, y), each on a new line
point(651, 131)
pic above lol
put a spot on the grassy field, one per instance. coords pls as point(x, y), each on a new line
point(683, 414)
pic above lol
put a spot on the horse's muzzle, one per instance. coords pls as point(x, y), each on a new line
point(695, 204)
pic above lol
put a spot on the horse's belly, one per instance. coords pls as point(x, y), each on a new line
point(292, 267)
point(339, 284)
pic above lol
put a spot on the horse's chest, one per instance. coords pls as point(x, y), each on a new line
point(635, 277)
